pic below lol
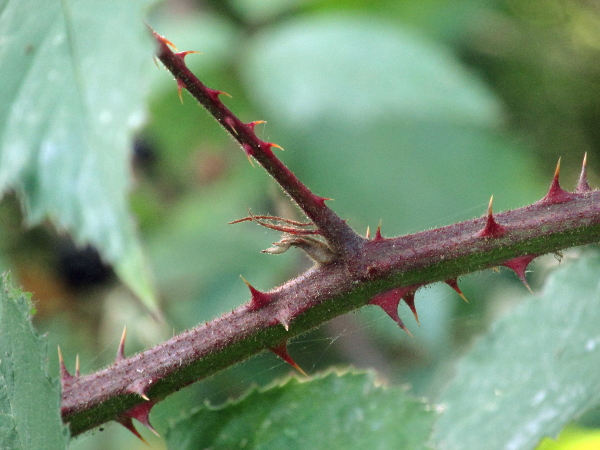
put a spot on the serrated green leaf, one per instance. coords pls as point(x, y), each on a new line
point(536, 370)
point(29, 399)
point(71, 97)
point(327, 412)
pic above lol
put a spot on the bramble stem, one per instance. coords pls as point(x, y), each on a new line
point(341, 237)
point(364, 269)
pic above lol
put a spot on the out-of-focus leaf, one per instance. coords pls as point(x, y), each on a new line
point(536, 370)
point(29, 399)
point(71, 96)
point(351, 412)
point(375, 114)
point(356, 69)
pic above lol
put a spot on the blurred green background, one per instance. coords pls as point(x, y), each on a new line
point(412, 112)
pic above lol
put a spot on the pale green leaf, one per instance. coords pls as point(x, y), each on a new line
point(356, 68)
point(29, 398)
point(332, 411)
point(70, 98)
point(536, 370)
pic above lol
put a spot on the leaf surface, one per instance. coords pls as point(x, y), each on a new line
point(331, 411)
point(29, 398)
point(70, 98)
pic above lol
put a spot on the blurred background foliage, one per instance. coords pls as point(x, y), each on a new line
point(411, 112)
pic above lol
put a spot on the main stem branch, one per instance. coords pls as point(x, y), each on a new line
point(319, 295)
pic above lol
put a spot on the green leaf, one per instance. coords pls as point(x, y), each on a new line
point(71, 97)
point(536, 370)
point(357, 68)
point(372, 112)
point(332, 411)
point(29, 399)
point(199, 258)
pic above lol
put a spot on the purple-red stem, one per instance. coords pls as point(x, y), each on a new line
point(341, 238)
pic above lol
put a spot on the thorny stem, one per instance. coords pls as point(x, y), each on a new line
point(321, 294)
point(560, 220)
point(340, 236)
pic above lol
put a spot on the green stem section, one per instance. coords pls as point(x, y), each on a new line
point(322, 293)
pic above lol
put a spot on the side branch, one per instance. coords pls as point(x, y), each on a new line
point(340, 236)
point(135, 384)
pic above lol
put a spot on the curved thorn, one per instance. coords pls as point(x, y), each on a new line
point(378, 236)
point(162, 38)
point(519, 267)
point(582, 184)
point(282, 352)
point(121, 349)
point(214, 93)
point(141, 413)
point(180, 86)
point(128, 424)
point(182, 55)
point(64, 372)
point(284, 322)
point(231, 125)
point(321, 200)
point(139, 387)
point(556, 194)
point(453, 283)
point(259, 299)
point(492, 229)
point(249, 153)
point(389, 301)
point(256, 122)
point(409, 299)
